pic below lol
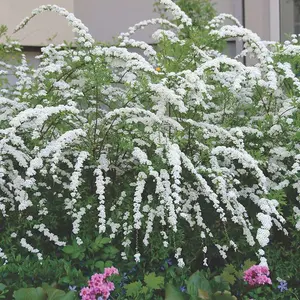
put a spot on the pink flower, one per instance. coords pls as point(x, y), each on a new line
point(110, 271)
point(257, 275)
point(99, 285)
point(85, 293)
point(110, 285)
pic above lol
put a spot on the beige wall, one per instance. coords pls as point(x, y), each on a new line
point(105, 18)
point(108, 18)
point(42, 27)
point(225, 6)
point(257, 17)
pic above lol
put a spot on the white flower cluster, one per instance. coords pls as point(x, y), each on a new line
point(74, 185)
point(297, 216)
point(125, 39)
point(52, 237)
point(177, 255)
point(151, 150)
point(176, 12)
point(78, 218)
point(3, 256)
point(100, 184)
point(29, 248)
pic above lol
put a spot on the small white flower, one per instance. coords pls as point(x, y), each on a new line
point(137, 257)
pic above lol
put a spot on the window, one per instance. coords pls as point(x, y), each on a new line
point(289, 18)
point(296, 16)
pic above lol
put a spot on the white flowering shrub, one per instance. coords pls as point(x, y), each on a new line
point(179, 146)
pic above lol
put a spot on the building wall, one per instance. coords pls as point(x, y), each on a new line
point(263, 18)
point(107, 18)
point(257, 17)
point(227, 6)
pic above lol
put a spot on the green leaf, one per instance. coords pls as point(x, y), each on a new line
point(144, 291)
point(172, 293)
point(69, 296)
point(228, 277)
point(100, 265)
point(226, 295)
point(65, 279)
point(230, 269)
point(30, 294)
point(2, 287)
point(248, 264)
point(198, 282)
point(297, 136)
point(100, 241)
point(229, 274)
point(111, 250)
point(105, 240)
point(203, 294)
point(154, 282)
point(55, 294)
point(76, 253)
point(108, 264)
point(133, 289)
point(219, 284)
point(68, 249)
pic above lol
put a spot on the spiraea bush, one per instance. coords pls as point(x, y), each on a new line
point(181, 151)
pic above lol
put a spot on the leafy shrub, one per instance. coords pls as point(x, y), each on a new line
point(180, 152)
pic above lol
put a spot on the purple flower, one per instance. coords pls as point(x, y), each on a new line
point(169, 261)
point(72, 288)
point(183, 289)
point(282, 285)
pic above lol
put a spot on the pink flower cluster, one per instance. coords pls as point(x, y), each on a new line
point(257, 275)
point(99, 286)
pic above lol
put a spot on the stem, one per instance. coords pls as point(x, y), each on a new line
point(293, 293)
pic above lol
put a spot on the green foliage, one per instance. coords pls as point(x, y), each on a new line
point(226, 295)
point(74, 251)
point(230, 274)
point(199, 286)
point(97, 254)
point(172, 293)
point(3, 291)
point(134, 289)
point(198, 282)
point(145, 290)
point(30, 293)
point(200, 11)
point(72, 267)
point(154, 282)
point(45, 292)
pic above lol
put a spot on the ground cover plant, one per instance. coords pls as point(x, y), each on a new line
point(178, 167)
